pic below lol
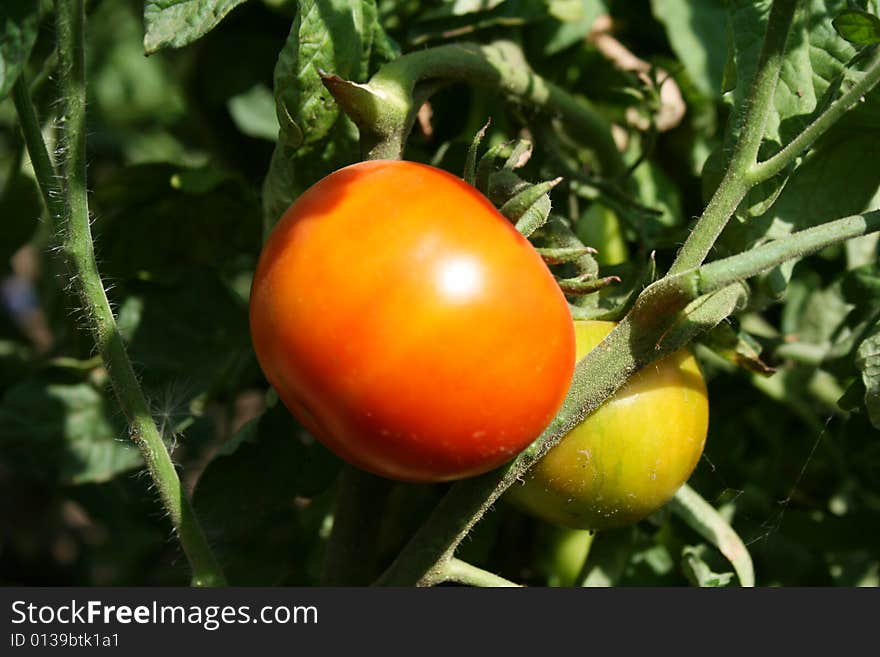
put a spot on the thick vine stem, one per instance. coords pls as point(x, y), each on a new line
point(753, 119)
point(597, 376)
point(462, 572)
point(79, 252)
point(666, 317)
point(385, 107)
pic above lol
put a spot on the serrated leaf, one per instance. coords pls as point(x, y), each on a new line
point(177, 23)
point(64, 433)
point(335, 36)
point(868, 362)
point(858, 27)
point(315, 137)
point(19, 20)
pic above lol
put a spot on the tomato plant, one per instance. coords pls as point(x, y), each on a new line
point(407, 324)
point(626, 459)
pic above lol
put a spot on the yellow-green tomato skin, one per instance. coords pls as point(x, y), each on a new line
point(627, 459)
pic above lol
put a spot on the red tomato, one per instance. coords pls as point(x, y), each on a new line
point(408, 325)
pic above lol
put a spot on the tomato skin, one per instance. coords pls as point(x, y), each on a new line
point(627, 459)
point(406, 323)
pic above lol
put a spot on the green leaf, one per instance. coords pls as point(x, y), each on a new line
point(254, 113)
point(464, 18)
point(858, 27)
point(65, 433)
point(177, 23)
point(261, 504)
point(334, 36)
point(868, 362)
point(188, 335)
point(19, 20)
point(315, 136)
point(698, 571)
point(655, 190)
point(570, 28)
point(154, 219)
point(696, 31)
point(128, 91)
point(460, 8)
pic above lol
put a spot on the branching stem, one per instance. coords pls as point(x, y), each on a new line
point(753, 119)
point(461, 572)
point(385, 107)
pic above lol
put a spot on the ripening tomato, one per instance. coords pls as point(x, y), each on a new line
point(407, 324)
point(627, 459)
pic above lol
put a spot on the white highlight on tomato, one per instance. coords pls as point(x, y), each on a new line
point(460, 278)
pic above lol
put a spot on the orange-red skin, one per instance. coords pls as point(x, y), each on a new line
point(406, 323)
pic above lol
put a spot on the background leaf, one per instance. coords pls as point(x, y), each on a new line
point(68, 433)
point(695, 30)
point(858, 27)
point(18, 33)
point(177, 23)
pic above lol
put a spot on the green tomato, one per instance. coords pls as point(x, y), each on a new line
point(600, 228)
point(627, 459)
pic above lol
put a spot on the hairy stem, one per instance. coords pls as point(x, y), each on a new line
point(597, 376)
point(78, 249)
point(753, 119)
point(461, 572)
point(666, 317)
point(794, 149)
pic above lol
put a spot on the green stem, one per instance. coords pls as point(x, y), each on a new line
point(666, 317)
point(351, 554)
point(384, 109)
point(719, 273)
point(596, 377)
point(461, 572)
point(79, 251)
point(794, 149)
point(40, 160)
point(706, 521)
point(753, 118)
